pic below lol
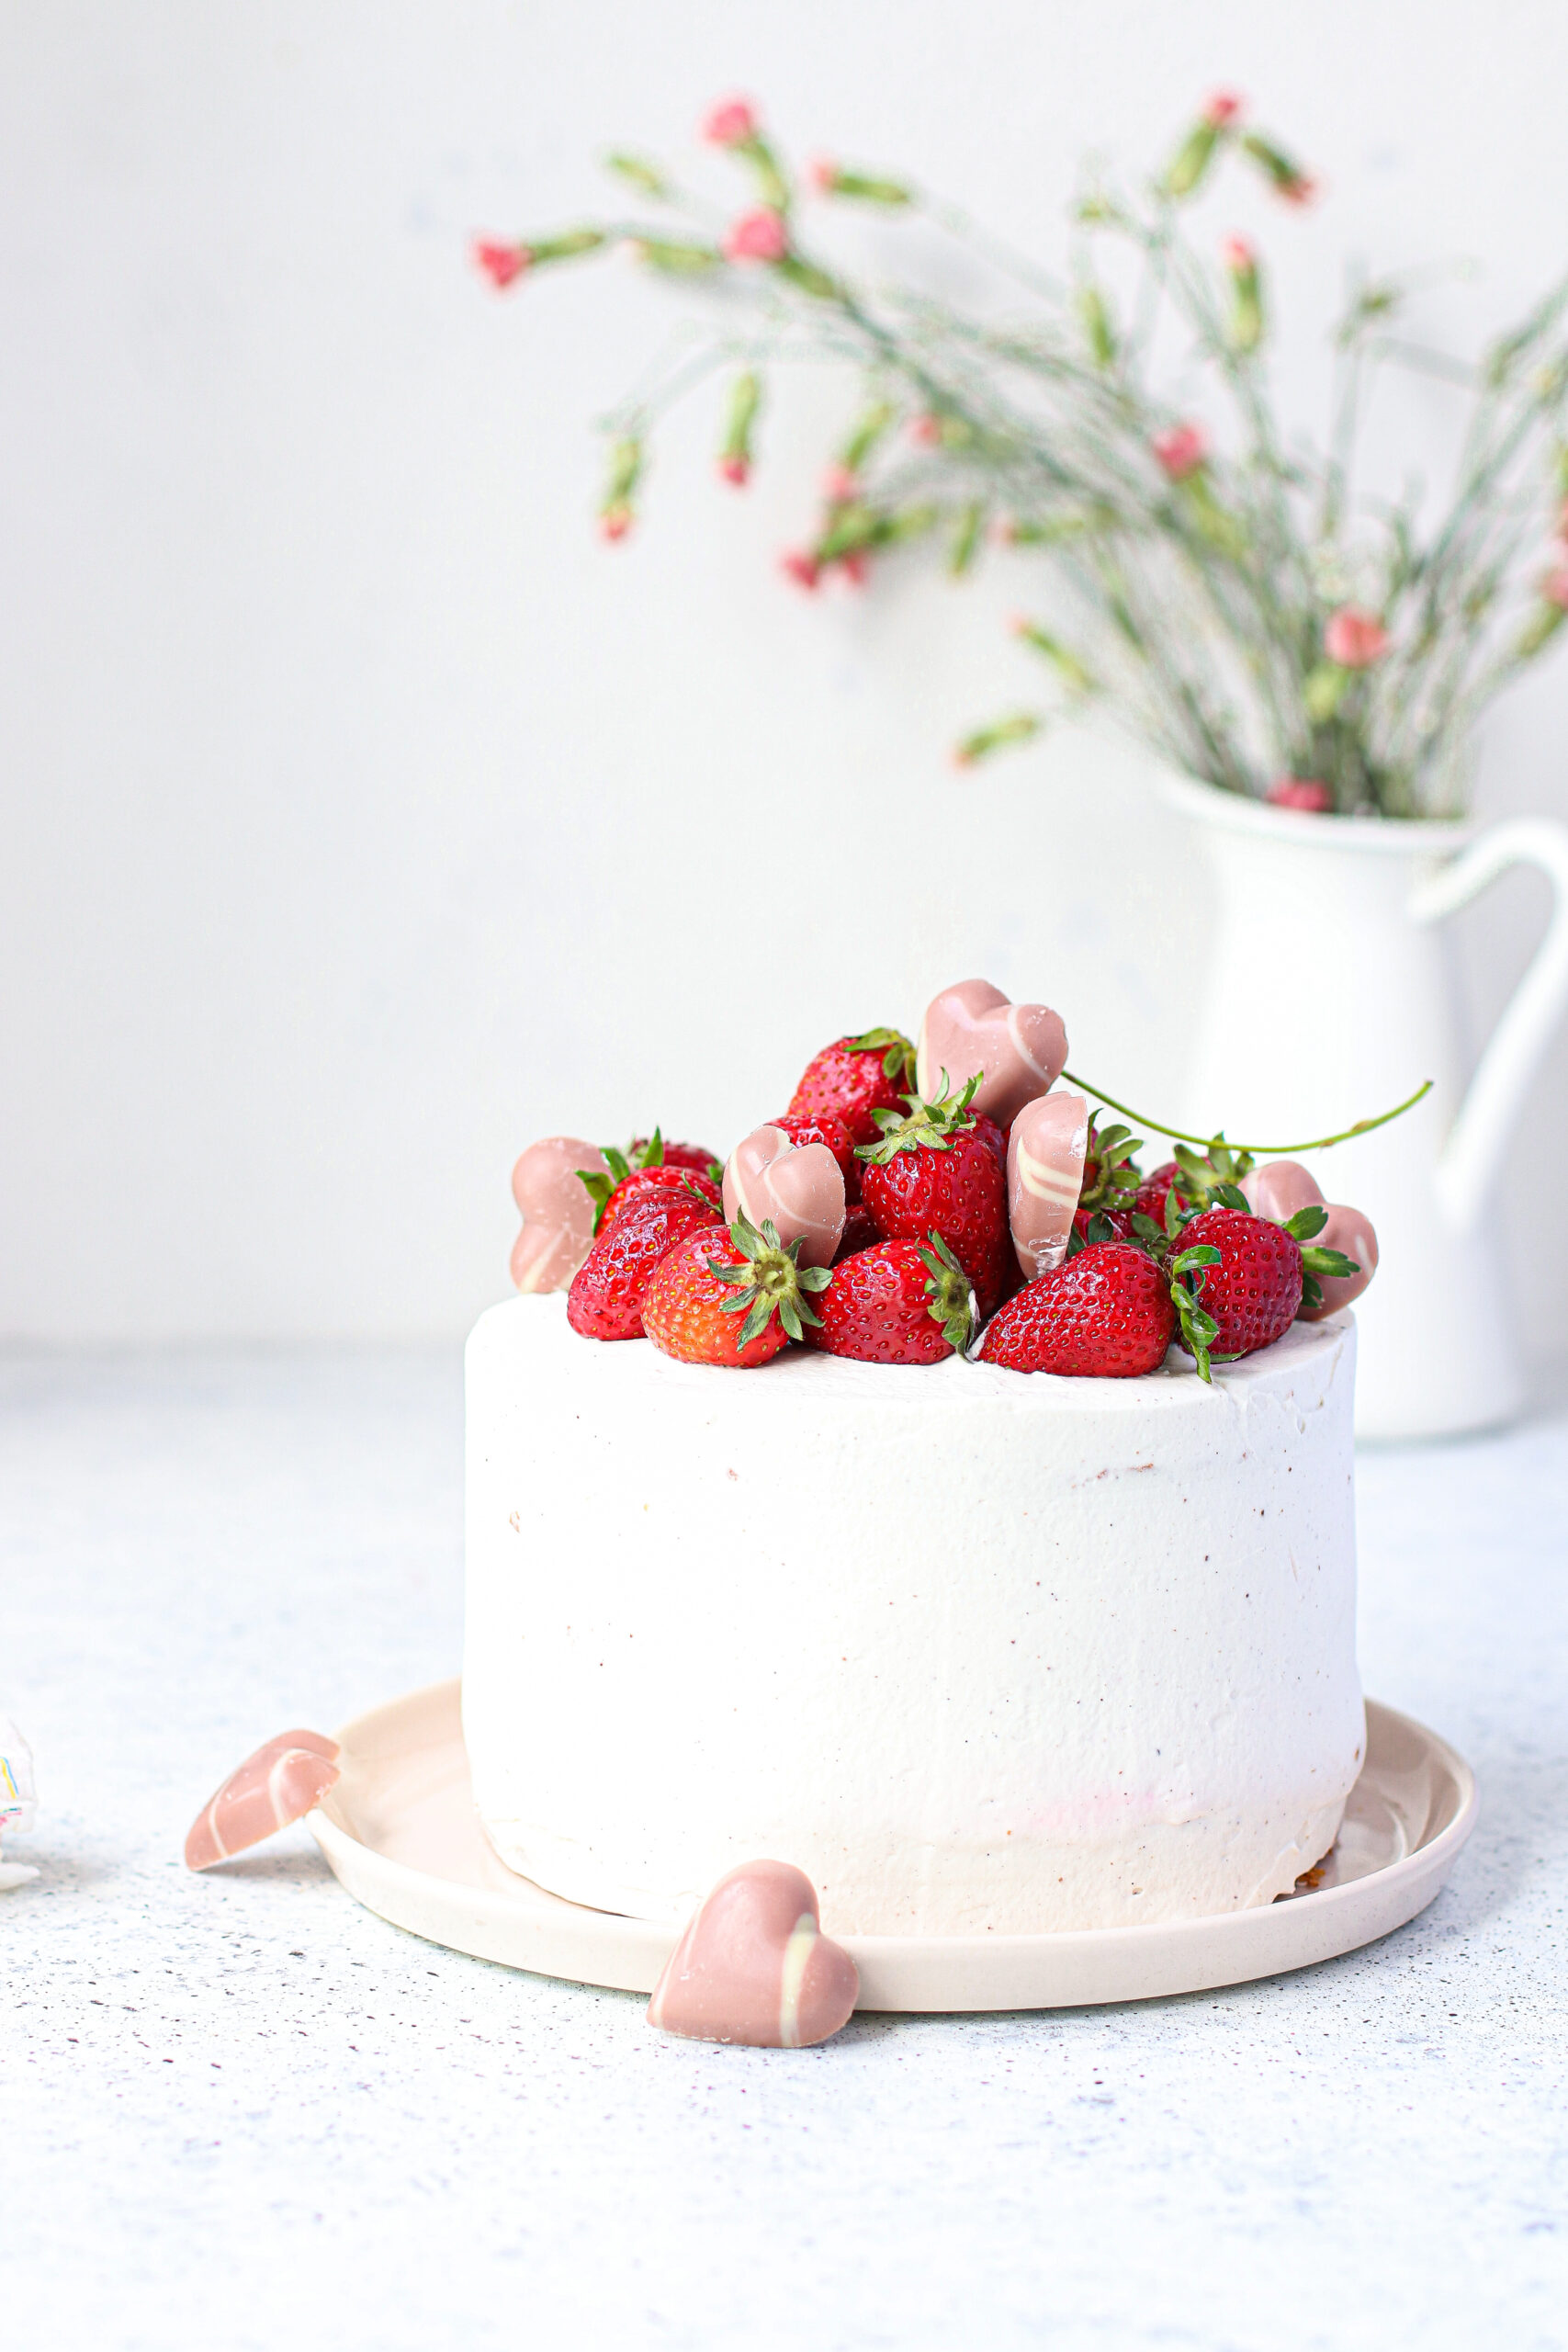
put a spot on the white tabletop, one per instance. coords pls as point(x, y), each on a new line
point(239, 2111)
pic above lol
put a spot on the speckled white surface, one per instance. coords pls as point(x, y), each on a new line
point(238, 2112)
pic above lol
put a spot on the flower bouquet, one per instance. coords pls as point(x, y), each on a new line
point(1241, 604)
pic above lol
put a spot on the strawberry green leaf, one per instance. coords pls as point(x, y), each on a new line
point(757, 1321)
point(950, 1299)
point(1328, 1262)
point(928, 1125)
point(1201, 1254)
point(898, 1053)
point(1232, 1196)
point(599, 1189)
point(653, 1151)
point(771, 1281)
point(1305, 1223)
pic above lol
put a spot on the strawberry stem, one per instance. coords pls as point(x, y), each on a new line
point(771, 1281)
point(1258, 1151)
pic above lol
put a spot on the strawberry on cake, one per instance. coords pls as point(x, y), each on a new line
point(1017, 1594)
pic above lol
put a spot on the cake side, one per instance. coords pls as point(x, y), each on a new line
point(975, 1653)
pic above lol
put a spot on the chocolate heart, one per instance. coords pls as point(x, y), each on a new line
point(1022, 1048)
point(557, 1211)
point(800, 1186)
point(277, 1785)
point(754, 1966)
point(1282, 1187)
point(1045, 1158)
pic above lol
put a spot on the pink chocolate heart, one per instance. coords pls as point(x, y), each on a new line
point(1045, 1158)
point(1022, 1048)
point(1282, 1187)
point(754, 1966)
point(800, 1186)
point(277, 1785)
point(557, 1211)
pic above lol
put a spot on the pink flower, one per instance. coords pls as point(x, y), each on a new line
point(1222, 107)
point(1181, 449)
point(855, 567)
point(802, 568)
point(1355, 639)
point(839, 485)
point(616, 522)
point(823, 174)
point(757, 236)
point(731, 123)
point(1301, 792)
point(926, 431)
point(500, 264)
point(1238, 255)
point(736, 469)
point(1297, 187)
point(1555, 587)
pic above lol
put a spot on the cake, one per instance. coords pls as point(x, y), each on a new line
point(976, 1651)
point(981, 1649)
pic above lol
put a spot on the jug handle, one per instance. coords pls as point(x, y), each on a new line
point(1480, 1134)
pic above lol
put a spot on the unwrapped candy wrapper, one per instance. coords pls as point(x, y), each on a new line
point(18, 1799)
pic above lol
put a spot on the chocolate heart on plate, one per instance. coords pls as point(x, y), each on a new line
point(278, 1784)
point(1022, 1048)
point(754, 1966)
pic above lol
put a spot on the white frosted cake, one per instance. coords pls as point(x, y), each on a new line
point(976, 1651)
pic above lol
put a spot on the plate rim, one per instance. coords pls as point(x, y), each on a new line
point(1260, 1936)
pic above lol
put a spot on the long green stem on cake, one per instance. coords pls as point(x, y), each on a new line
point(1256, 1150)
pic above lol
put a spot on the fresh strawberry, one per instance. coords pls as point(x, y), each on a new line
point(835, 1135)
point(1198, 1178)
point(992, 1136)
point(643, 1156)
point(855, 1078)
point(677, 1155)
point(733, 1297)
point(1102, 1225)
point(896, 1303)
point(932, 1172)
point(605, 1300)
point(860, 1233)
point(1110, 1174)
point(644, 1181)
point(1106, 1315)
point(1251, 1288)
point(1154, 1189)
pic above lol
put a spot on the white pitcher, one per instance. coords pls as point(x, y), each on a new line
point(1329, 997)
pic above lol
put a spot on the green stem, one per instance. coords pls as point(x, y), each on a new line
point(1317, 1143)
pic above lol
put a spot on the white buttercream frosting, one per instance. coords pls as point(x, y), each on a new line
point(977, 1650)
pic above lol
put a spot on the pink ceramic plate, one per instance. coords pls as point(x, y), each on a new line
point(400, 1832)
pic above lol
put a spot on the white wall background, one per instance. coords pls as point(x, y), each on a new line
point(363, 815)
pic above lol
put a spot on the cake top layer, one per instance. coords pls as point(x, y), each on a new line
point(534, 1334)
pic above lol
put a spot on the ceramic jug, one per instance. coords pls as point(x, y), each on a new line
point(1328, 997)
